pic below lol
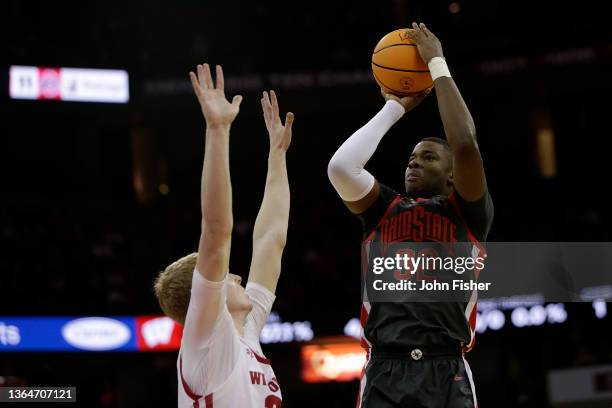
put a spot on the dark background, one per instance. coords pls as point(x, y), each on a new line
point(77, 238)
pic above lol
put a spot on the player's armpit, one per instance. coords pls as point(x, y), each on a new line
point(360, 206)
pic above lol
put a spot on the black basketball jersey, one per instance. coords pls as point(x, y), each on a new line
point(434, 221)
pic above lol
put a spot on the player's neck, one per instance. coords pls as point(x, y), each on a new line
point(429, 194)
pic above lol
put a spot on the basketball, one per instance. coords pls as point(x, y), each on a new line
point(397, 66)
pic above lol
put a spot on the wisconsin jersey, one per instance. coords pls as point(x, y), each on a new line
point(440, 222)
point(222, 369)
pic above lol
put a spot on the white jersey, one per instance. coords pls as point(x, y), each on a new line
point(217, 368)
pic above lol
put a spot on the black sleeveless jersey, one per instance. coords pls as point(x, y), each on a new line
point(434, 224)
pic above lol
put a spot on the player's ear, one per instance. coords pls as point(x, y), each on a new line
point(450, 181)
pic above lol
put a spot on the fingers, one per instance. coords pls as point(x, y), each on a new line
point(204, 77)
point(425, 92)
point(203, 81)
point(422, 95)
point(220, 79)
point(424, 29)
point(208, 82)
point(269, 103)
point(194, 83)
point(265, 107)
point(200, 73)
point(275, 111)
point(416, 30)
point(237, 100)
point(427, 31)
point(420, 29)
point(286, 141)
point(289, 121)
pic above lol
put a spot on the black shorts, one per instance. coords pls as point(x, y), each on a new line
point(416, 380)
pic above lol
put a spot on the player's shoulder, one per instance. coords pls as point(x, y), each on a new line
point(387, 194)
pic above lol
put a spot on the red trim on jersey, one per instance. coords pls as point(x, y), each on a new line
point(362, 378)
point(472, 327)
point(208, 400)
point(363, 318)
point(259, 358)
point(190, 393)
point(359, 393)
point(389, 208)
point(453, 201)
point(482, 252)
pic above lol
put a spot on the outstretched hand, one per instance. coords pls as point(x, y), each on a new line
point(427, 43)
point(408, 102)
point(280, 135)
point(217, 111)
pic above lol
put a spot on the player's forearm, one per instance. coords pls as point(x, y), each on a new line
point(346, 167)
point(361, 145)
point(273, 216)
point(216, 189)
point(458, 122)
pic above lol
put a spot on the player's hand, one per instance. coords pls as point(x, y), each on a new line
point(427, 43)
point(280, 135)
point(408, 102)
point(217, 111)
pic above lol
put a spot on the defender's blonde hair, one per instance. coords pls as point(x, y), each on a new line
point(173, 287)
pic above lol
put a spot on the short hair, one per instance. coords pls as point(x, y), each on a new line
point(173, 287)
point(438, 140)
point(442, 142)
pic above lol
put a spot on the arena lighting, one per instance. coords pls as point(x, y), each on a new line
point(69, 84)
point(332, 359)
point(277, 331)
point(353, 328)
point(601, 310)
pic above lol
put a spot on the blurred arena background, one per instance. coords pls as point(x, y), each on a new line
point(96, 198)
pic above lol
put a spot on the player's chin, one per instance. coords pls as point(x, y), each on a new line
point(413, 186)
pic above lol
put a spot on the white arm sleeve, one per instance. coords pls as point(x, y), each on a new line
point(345, 169)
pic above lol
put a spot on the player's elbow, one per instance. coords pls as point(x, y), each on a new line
point(338, 170)
point(274, 238)
point(464, 141)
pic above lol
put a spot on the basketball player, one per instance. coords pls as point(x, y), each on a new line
point(220, 362)
point(415, 350)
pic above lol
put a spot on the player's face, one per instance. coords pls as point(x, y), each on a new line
point(429, 170)
point(237, 300)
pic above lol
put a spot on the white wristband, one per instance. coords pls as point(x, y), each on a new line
point(438, 68)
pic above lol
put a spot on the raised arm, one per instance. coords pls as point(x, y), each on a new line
point(355, 185)
point(468, 171)
point(270, 232)
point(216, 189)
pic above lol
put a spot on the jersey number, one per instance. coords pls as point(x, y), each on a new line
point(272, 401)
point(420, 273)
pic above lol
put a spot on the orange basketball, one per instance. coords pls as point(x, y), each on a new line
point(397, 66)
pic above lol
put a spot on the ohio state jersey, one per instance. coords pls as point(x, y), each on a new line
point(436, 221)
